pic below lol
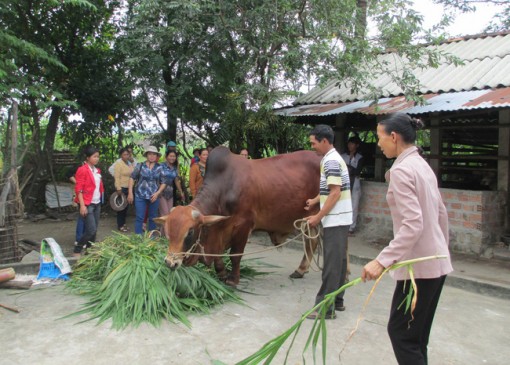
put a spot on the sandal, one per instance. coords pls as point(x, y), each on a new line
point(124, 229)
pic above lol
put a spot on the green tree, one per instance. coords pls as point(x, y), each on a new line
point(221, 66)
point(54, 47)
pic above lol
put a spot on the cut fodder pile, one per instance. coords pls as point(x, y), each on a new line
point(126, 280)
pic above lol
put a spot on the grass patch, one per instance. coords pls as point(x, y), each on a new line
point(126, 281)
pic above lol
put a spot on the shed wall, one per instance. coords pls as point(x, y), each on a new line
point(475, 217)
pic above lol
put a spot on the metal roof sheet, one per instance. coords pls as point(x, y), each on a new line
point(486, 65)
point(464, 100)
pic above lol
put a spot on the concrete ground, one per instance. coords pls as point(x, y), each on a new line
point(469, 328)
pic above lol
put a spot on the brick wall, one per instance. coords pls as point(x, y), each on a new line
point(476, 217)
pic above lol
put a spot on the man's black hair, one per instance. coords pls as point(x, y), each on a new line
point(321, 131)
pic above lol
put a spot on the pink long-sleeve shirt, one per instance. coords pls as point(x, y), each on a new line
point(420, 220)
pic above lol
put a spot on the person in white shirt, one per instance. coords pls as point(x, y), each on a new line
point(354, 161)
point(335, 215)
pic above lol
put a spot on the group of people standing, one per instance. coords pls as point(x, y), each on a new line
point(148, 185)
point(420, 228)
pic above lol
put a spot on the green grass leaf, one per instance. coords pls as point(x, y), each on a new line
point(126, 281)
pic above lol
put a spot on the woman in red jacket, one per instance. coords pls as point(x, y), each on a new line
point(89, 193)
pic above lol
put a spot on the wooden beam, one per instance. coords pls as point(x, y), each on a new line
point(380, 160)
point(435, 146)
point(464, 126)
point(340, 134)
point(504, 163)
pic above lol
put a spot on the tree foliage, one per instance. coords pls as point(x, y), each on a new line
point(212, 70)
point(54, 52)
point(220, 67)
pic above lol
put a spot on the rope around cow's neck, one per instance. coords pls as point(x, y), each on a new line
point(300, 224)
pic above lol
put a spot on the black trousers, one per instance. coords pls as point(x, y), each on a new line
point(121, 215)
point(410, 337)
point(334, 244)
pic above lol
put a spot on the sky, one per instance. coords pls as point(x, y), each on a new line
point(467, 23)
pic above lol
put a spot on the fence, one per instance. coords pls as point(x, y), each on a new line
point(11, 209)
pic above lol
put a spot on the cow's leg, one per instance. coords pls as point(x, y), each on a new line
point(213, 237)
point(310, 246)
point(219, 266)
point(304, 266)
point(238, 243)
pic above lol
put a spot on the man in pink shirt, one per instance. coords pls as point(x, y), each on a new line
point(420, 227)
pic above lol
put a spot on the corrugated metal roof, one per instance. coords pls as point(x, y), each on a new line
point(486, 65)
point(464, 100)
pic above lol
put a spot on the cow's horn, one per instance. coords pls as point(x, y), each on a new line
point(195, 214)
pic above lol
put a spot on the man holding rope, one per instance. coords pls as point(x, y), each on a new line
point(335, 214)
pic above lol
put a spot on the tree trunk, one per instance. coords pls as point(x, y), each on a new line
point(51, 132)
point(120, 135)
point(38, 162)
point(171, 120)
point(361, 19)
point(5, 147)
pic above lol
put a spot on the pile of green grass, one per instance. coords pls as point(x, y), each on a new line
point(126, 280)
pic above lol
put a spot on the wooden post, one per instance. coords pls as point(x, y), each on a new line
point(380, 160)
point(504, 161)
point(435, 146)
point(340, 132)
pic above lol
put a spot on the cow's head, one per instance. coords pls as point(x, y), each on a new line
point(182, 226)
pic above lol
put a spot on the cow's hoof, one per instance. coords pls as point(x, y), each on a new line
point(222, 276)
point(232, 282)
point(297, 275)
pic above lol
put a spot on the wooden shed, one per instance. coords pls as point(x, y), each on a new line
point(466, 141)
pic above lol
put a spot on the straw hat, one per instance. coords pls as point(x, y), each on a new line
point(118, 202)
point(151, 149)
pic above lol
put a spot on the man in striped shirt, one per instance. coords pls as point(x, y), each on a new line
point(335, 215)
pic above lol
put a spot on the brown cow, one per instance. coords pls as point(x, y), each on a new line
point(237, 197)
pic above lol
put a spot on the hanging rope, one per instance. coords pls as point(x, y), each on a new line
point(303, 226)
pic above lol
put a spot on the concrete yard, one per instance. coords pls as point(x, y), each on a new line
point(469, 328)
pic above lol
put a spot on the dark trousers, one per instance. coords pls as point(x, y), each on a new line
point(91, 224)
point(121, 215)
point(80, 227)
point(410, 337)
point(334, 244)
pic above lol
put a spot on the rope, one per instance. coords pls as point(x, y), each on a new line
point(301, 224)
point(304, 227)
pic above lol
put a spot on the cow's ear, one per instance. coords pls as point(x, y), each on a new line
point(213, 219)
point(160, 220)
